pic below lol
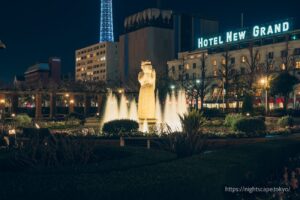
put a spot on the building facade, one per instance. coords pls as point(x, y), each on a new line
point(187, 28)
point(41, 74)
point(98, 62)
point(157, 35)
point(267, 56)
point(148, 36)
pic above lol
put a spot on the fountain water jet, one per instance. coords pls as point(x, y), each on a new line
point(123, 108)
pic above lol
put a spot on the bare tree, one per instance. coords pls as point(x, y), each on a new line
point(203, 79)
point(287, 58)
point(237, 87)
point(266, 69)
point(227, 72)
point(253, 65)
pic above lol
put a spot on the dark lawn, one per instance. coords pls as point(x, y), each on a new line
point(143, 174)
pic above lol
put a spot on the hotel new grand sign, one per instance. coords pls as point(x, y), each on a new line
point(245, 34)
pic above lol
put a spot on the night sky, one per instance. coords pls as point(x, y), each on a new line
point(34, 30)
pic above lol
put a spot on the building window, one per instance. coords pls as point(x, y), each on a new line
point(258, 56)
point(215, 72)
point(180, 67)
point(297, 64)
point(173, 69)
point(194, 65)
point(232, 60)
point(187, 76)
point(243, 70)
point(271, 55)
point(187, 66)
point(214, 62)
point(284, 53)
point(223, 61)
point(180, 77)
point(283, 67)
point(297, 51)
point(244, 59)
point(194, 76)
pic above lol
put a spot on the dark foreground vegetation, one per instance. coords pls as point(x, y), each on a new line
point(138, 173)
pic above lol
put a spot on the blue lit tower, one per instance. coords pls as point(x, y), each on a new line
point(106, 22)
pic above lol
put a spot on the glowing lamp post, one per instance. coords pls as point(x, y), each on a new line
point(264, 83)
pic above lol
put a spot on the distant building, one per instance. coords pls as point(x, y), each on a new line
point(158, 35)
point(37, 74)
point(149, 36)
point(41, 74)
point(19, 81)
point(55, 69)
point(98, 62)
point(188, 28)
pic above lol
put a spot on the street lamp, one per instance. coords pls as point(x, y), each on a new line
point(264, 83)
point(2, 45)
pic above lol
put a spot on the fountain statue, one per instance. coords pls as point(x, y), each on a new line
point(149, 111)
point(146, 103)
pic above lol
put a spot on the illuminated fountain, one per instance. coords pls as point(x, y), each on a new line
point(149, 111)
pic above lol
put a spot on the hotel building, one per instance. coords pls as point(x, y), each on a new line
point(279, 51)
point(98, 62)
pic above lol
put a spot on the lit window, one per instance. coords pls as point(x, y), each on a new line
point(244, 59)
point(223, 61)
point(258, 56)
point(283, 66)
point(297, 64)
point(215, 62)
point(103, 58)
point(215, 72)
point(187, 66)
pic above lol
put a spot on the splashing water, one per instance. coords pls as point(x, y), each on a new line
point(174, 106)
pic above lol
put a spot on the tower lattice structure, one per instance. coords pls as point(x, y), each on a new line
point(106, 21)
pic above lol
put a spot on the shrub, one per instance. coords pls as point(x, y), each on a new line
point(75, 119)
point(286, 121)
point(278, 112)
point(231, 119)
point(260, 110)
point(117, 127)
point(262, 118)
point(250, 126)
point(293, 112)
point(247, 104)
point(191, 140)
point(23, 120)
point(54, 150)
point(192, 122)
point(212, 112)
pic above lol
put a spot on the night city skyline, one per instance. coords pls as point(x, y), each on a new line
point(149, 100)
point(35, 31)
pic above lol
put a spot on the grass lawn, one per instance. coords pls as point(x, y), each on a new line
point(151, 174)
